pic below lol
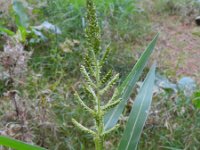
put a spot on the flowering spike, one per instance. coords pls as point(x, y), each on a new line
point(91, 91)
point(111, 130)
point(97, 70)
point(110, 84)
point(95, 84)
point(89, 64)
point(83, 104)
point(92, 30)
point(105, 56)
point(82, 128)
point(106, 77)
point(111, 105)
point(87, 77)
point(115, 96)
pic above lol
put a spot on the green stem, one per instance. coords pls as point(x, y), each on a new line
point(98, 143)
point(99, 140)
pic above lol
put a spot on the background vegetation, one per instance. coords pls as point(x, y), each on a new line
point(42, 82)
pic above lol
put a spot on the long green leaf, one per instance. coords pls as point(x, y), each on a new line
point(138, 113)
point(17, 145)
point(127, 86)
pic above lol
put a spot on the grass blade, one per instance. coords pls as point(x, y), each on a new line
point(7, 31)
point(138, 113)
point(126, 88)
point(17, 145)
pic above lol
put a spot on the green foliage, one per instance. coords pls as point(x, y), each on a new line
point(67, 15)
point(112, 117)
point(21, 17)
point(138, 114)
point(93, 83)
point(196, 99)
point(57, 72)
point(7, 31)
point(117, 17)
point(21, 21)
point(167, 127)
point(122, 17)
point(53, 73)
point(17, 145)
point(98, 83)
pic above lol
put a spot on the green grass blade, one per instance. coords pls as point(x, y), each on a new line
point(138, 113)
point(127, 86)
point(7, 31)
point(17, 145)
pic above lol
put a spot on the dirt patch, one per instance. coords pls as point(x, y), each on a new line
point(178, 49)
point(4, 5)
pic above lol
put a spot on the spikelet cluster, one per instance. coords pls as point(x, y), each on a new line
point(96, 84)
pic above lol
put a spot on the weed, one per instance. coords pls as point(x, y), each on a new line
point(98, 85)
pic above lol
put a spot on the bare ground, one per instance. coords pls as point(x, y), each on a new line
point(178, 48)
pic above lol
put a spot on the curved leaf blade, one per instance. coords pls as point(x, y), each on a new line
point(7, 31)
point(139, 113)
point(127, 86)
point(17, 145)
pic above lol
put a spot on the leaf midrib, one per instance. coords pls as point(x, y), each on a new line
point(136, 119)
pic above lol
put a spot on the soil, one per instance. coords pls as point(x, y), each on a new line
point(178, 48)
